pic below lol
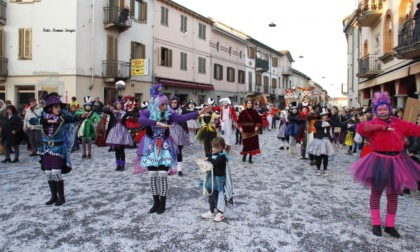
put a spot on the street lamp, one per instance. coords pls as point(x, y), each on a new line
point(272, 24)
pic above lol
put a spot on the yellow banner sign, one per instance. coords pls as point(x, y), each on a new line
point(139, 67)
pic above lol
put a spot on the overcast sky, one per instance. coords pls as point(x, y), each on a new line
point(308, 28)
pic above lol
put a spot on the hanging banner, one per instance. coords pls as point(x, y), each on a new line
point(139, 67)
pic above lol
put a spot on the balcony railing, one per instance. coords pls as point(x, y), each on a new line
point(369, 12)
point(408, 40)
point(287, 71)
point(261, 65)
point(3, 6)
point(116, 69)
point(4, 70)
point(368, 66)
point(117, 17)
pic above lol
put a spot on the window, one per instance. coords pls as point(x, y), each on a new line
point(164, 15)
point(275, 62)
point(183, 24)
point(241, 76)
point(25, 43)
point(265, 56)
point(165, 57)
point(1, 43)
point(266, 84)
point(201, 65)
point(230, 74)
point(273, 83)
point(183, 61)
point(218, 72)
point(138, 50)
point(258, 80)
point(230, 50)
point(201, 31)
point(139, 10)
point(240, 55)
point(251, 52)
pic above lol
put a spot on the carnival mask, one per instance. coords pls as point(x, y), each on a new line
point(383, 112)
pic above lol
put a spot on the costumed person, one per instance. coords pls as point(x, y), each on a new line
point(143, 109)
point(12, 134)
point(179, 131)
point(249, 122)
point(2, 117)
point(218, 183)
point(281, 133)
point(102, 128)
point(311, 130)
point(294, 121)
point(157, 150)
point(33, 131)
point(72, 140)
point(55, 157)
point(270, 116)
point(118, 137)
point(301, 136)
point(207, 131)
point(192, 124)
point(133, 125)
point(386, 167)
point(228, 120)
point(87, 129)
point(322, 147)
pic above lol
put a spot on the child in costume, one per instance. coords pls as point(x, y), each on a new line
point(157, 150)
point(386, 167)
point(207, 131)
point(119, 138)
point(281, 134)
point(87, 129)
point(219, 183)
point(55, 157)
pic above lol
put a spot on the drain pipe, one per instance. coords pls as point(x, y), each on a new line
point(92, 67)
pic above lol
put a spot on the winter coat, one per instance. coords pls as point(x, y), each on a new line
point(14, 123)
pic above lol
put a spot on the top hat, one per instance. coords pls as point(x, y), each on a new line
point(52, 99)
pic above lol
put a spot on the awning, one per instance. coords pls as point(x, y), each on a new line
point(395, 75)
point(186, 84)
point(367, 84)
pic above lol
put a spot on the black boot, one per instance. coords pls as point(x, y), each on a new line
point(250, 159)
point(162, 205)
point(6, 160)
point(53, 189)
point(392, 232)
point(155, 204)
point(376, 230)
point(60, 190)
point(244, 158)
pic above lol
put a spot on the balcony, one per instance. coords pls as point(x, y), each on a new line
point(408, 40)
point(287, 71)
point(369, 66)
point(113, 70)
point(369, 12)
point(115, 17)
point(3, 6)
point(4, 70)
point(261, 65)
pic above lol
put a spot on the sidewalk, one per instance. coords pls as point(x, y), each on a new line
point(279, 205)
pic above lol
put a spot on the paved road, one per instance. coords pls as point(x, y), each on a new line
point(280, 205)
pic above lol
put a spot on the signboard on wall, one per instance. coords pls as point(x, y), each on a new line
point(411, 109)
point(139, 67)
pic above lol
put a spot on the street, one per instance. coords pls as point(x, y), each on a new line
point(279, 205)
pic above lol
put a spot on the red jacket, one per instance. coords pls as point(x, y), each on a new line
point(388, 140)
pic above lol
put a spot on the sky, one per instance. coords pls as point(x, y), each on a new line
point(307, 28)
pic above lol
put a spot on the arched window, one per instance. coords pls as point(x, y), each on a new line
point(388, 34)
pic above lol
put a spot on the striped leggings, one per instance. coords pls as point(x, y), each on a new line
point(392, 201)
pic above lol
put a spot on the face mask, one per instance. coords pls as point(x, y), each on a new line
point(383, 112)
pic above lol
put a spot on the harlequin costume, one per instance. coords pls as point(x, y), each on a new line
point(55, 157)
point(132, 122)
point(386, 167)
point(207, 131)
point(157, 150)
point(119, 138)
point(248, 121)
point(87, 129)
point(227, 120)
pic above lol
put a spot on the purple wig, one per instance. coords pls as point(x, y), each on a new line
point(381, 99)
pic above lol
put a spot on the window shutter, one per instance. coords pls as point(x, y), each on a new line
point(133, 50)
point(2, 43)
point(110, 48)
point(159, 55)
point(122, 3)
point(169, 58)
point(115, 49)
point(215, 71)
point(144, 11)
point(162, 14)
point(143, 51)
point(132, 6)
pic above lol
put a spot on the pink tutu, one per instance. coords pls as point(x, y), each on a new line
point(380, 171)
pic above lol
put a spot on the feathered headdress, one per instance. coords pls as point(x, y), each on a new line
point(381, 99)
